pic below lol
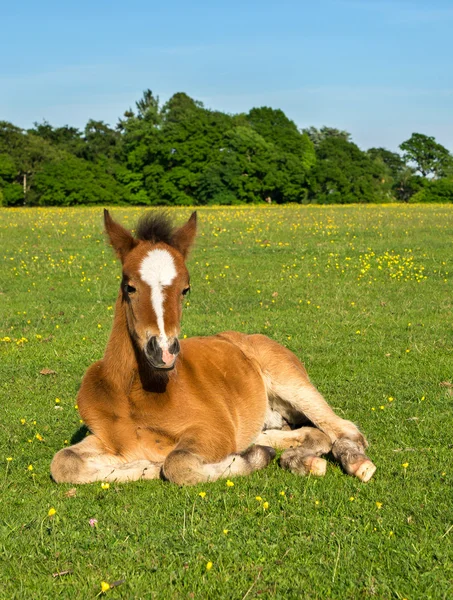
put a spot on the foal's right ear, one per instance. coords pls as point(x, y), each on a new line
point(121, 239)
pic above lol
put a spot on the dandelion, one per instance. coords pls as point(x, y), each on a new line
point(23, 421)
point(390, 399)
point(316, 502)
point(208, 566)
point(104, 587)
point(9, 459)
point(202, 494)
point(30, 467)
point(378, 505)
point(226, 531)
point(405, 465)
point(57, 400)
point(259, 499)
point(51, 512)
point(229, 483)
point(105, 486)
point(351, 499)
point(39, 437)
point(265, 505)
point(282, 493)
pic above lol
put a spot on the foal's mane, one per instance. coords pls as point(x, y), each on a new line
point(155, 227)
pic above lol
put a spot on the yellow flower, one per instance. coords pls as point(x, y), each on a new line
point(39, 437)
point(282, 493)
point(259, 498)
point(22, 421)
point(379, 505)
point(229, 483)
point(9, 459)
point(226, 531)
point(405, 465)
point(104, 587)
point(30, 467)
point(316, 502)
point(51, 512)
point(390, 399)
point(105, 486)
point(202, 494)
point(351, 498)
point(265, 505)
point(208, 566)
point(57, 400)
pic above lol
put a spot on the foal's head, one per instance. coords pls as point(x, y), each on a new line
point(155, 280)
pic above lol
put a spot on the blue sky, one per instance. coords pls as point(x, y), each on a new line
point(379, 69)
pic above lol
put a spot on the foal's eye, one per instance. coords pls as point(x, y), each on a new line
point(186, 290)
point(130, 289)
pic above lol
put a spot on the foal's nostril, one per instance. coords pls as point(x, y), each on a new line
point(174, 347)
point(152, 347)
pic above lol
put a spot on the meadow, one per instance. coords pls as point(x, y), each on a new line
point(362, 294)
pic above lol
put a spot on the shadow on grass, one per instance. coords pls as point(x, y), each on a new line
point(80, 434)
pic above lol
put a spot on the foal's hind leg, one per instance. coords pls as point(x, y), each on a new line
point(89, 461)
point(303, 449)
point(292, 394)
point(185, 467)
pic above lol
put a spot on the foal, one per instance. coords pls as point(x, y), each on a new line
point(199, 409)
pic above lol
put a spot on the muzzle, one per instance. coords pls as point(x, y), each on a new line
point(160, 354)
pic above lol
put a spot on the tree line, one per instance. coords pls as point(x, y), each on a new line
point(181, 153)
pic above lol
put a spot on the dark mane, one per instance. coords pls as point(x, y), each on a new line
point(154, 227)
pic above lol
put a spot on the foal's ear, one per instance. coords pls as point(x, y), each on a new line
point(184, 236)
point(121, 239)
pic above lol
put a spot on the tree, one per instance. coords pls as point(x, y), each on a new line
point(74, 181)
point(28, 151)
point(100, 140)
point(430, 158)
point(317, 136)
point(437, 190)
point(343, 173)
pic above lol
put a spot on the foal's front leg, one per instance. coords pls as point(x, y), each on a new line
point(90, 461)
point(185, 466)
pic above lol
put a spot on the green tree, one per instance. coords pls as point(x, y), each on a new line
point(100, 140)
point(73, 181)
point(430, 158)
point(317, 136)
point(344, 173)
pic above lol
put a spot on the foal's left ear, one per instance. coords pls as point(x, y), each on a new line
point(184, 236)
point(121, 239)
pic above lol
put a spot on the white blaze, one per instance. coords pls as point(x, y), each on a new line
point(158, 271)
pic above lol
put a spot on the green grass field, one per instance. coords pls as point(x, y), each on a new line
point(362, 294)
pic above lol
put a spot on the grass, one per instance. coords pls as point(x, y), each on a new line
point(362, 294)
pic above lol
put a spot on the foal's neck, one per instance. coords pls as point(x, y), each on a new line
point(123, 364)
point(119, 358)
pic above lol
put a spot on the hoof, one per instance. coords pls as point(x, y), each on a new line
point(316, 466)
point(259, 456)
point(364, 470)
point(299, 462)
